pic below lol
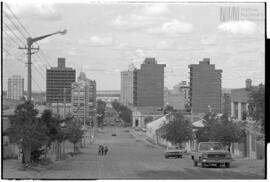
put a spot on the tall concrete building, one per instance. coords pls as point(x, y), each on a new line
point(127, 86)
point(205, 87)
point(145, 86)
point(58, 81)
point(149, 84)
point(83, 94)
point(15, 87)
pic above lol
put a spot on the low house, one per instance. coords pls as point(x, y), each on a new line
point(251, 146)
point(143, 115)
point(153, 131)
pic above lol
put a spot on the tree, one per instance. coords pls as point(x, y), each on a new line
point(53, 124)
point(116, 105)
point(27, 130)
point(101, 105)
point(73, 132)
point(124, 112)
point(177, 130)
point(168, 109)
point(126, 115)
point(203, 134)
point(219, 130)
point(257, 105)
point(54, 130)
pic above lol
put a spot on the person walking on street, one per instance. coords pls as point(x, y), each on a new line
point(102, 150)
point(106, 150)
point(99, 150)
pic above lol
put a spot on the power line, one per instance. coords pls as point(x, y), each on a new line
point(14, 24)
point(26, 31)
point(13, 33)
point(19, 60)
point(17, 19)
point(13, 56)
point(16, 43)
point(10, 37)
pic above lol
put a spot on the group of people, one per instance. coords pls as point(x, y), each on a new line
point(102, 150)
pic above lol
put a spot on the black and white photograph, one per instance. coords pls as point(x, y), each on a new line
point(133, 90)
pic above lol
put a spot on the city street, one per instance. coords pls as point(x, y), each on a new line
point(130, 157)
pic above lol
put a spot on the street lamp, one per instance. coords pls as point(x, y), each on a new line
point(29, 47)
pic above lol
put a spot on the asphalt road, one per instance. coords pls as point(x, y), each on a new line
point(130, 157)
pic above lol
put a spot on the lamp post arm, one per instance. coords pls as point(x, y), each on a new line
point(32, 40)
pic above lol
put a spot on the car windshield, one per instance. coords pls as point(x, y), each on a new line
point(173, 148)
point(211, 146)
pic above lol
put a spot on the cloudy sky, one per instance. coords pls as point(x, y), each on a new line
point(103, 39)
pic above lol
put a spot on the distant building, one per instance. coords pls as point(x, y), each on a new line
point(59, 79)
point(252, 146)
point(174, 98)
point(226, 103)
point(108, 95)
point(143, 115)
point(128, 86)
point(149, 90)
point(205, 87)
point(39, 97)
point(240, 101)
point(15, 87)
point(143, 87)
point(83, 99)
point(184, 87)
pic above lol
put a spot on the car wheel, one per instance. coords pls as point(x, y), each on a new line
point(218, 165)
point(202, 165)
point(195, 163)
point(227, 165)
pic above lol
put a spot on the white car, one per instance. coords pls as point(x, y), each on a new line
point(173, 151)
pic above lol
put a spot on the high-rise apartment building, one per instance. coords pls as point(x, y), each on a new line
point(205, 87)
point(145, 86)
point(84, 99)
point(59, 80)
point(15, 87)
point(149, 89)
point(127, 86)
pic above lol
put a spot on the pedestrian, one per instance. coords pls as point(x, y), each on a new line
point(106, 150)
point(99, 150)
point(102, 150)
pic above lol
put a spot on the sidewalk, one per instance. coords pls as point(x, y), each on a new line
point(140, 135)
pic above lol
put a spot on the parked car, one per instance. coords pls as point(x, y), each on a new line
point(137, 128)
point(208, 153)
point(173, 151)
point(144, 129)
point(113, 134)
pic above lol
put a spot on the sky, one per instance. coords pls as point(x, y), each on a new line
point(103, 39)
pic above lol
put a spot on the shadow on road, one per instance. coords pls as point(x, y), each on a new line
point(187, 173)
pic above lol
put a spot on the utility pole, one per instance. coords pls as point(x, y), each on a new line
point(29, 71)
point(64, 102)
point(29, 48)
